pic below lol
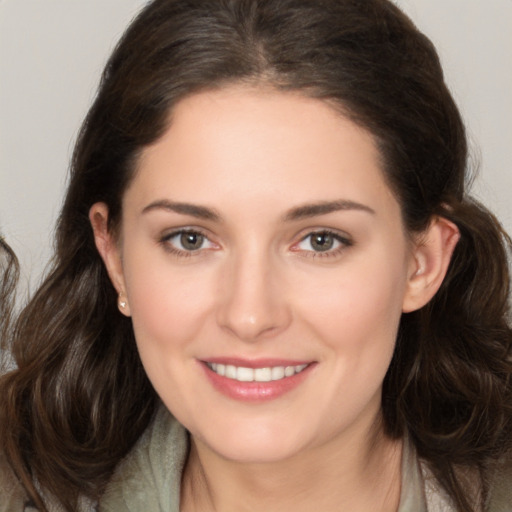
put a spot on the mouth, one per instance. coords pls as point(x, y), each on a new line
point(256, 381)
point(266, 374)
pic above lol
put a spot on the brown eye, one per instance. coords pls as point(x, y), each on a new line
point(185, 242)
point(322, 241)
point(191, 241)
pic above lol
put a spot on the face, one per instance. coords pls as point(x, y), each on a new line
point(265, 267)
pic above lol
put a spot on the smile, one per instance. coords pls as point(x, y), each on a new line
point(243, 374)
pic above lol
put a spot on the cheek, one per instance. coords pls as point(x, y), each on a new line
point(357, 309)
point(167, 303)
point(356, 316)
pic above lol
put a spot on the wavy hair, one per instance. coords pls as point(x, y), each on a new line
point(79, 398)
point(9, 273)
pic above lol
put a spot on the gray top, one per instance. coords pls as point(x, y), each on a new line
point(149, 479)
point(141, 483)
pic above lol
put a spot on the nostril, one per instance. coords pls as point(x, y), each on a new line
point(250, 305)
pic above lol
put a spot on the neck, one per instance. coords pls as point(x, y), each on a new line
point(356, 473)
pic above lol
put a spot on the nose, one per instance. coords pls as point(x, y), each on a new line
point(253, 301)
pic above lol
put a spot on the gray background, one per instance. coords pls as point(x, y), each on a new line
point(52, 52)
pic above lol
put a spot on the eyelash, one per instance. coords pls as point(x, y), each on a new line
point(182, 253)
point(344, 243)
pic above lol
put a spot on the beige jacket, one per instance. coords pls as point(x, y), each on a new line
point(148, 480)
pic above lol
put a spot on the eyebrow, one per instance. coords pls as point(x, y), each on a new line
point(298, 213)
point(201, 212)
point(325, 207)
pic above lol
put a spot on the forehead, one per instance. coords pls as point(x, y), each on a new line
point(260, 144)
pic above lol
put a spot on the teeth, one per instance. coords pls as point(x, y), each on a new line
point(243, 374)
point(277, 373)
point(289, 371)
point(230, 372)
point(263, 374)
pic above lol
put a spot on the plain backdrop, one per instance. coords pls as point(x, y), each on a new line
point(52, 53)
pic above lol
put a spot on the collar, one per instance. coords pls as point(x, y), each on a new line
point(149, 478)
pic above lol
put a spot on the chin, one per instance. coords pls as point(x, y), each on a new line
point(259, 444)
point(256, 453)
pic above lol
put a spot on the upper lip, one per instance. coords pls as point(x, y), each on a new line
point(255, 363)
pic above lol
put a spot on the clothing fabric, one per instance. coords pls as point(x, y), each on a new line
point(151, 476)
point(149, 479)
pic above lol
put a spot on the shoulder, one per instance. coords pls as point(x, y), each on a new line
point(499, 486)
point(149, 477)
point(13, 497)
point(500, 499)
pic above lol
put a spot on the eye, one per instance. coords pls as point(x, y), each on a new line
point(323, 242)
point(187, 241)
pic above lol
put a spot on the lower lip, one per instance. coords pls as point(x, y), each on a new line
point(255, 391)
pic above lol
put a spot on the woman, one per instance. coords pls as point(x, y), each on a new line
point(267, 237)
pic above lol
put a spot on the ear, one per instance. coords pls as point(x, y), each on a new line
point(110, 252)
point(432, 252)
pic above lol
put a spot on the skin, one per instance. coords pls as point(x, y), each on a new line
point(257, 287)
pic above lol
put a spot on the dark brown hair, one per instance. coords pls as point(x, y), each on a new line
point(80, 398)
point(9, 273)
